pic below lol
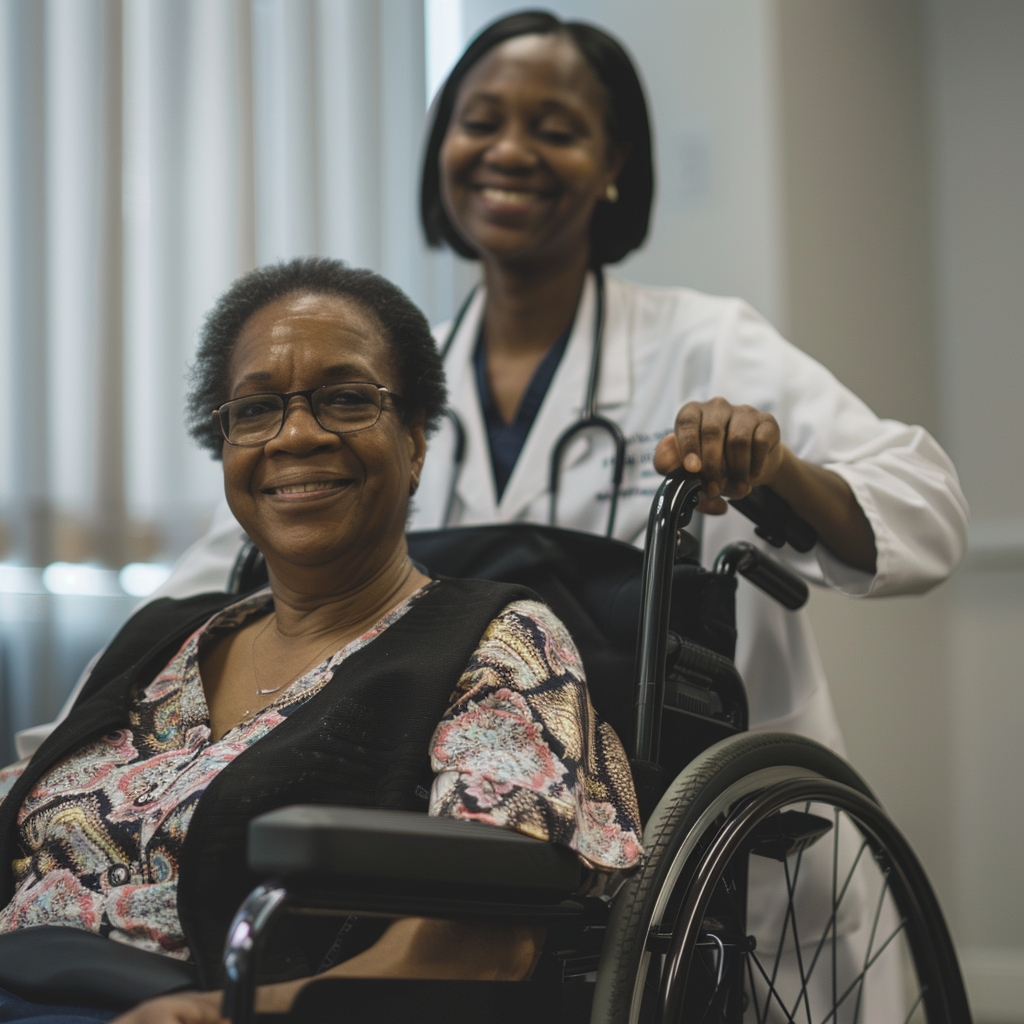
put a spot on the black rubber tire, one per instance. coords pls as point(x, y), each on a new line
point(730, 775)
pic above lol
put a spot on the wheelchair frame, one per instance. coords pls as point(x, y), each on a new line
point(659, 958)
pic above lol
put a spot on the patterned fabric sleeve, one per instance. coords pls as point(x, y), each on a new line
point(522, 746)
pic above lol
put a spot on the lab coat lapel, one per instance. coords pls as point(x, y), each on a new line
point(615, 384)
point(475, 486)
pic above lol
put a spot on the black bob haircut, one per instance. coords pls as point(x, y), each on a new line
point(617, 228)
point(419, 370)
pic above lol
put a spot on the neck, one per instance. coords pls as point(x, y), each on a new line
point(529, 307)
point(311, 604)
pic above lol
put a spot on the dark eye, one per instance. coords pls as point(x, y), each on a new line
point(246, 410)
point(478, 125)
point(348, 397)
point(557, 131)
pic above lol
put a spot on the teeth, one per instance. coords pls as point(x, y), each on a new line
point(506, 195)
point(320, 485)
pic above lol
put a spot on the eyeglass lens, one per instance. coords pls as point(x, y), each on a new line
point(339, 408)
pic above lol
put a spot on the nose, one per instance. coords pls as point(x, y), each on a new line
point(511, 151)
point(301, 431)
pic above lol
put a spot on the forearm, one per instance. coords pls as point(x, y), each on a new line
point(413, 947)
point(416, 947)
point(826, 501)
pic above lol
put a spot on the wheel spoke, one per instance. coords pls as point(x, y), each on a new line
point(786, 918)
point(835, 906)
point(859, 980)
point(753, 994)
point(871, 942)
point(791, 888)
point(710, 1003)
point(771, 992)
point(832, 921)
point(917, 1003)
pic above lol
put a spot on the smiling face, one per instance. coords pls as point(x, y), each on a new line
point(527, 157)
point(310, 497)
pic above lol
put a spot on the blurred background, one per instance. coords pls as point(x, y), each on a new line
point(854, 168)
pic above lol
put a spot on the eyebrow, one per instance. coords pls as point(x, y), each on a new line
point(340, 371)
point(493, 97)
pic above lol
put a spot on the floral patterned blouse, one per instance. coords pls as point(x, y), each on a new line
point(520, 747)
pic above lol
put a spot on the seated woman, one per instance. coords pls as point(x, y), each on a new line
point(353, 678)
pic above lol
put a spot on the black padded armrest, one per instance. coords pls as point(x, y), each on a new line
point(48, 964)
point(387, 851)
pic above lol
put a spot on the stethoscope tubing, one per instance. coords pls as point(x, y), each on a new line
point(590, 420)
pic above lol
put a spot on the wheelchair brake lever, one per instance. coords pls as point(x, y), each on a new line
point(764, 571)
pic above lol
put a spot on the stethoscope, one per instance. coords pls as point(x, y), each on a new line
point(589, 420)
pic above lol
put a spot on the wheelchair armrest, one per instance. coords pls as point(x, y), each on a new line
point(391, 852)
point(51, 964)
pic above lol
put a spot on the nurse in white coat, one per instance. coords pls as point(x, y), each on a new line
point(538, 164)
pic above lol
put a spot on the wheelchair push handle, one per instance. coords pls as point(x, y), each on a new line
point(671, 510)
point(765, 572)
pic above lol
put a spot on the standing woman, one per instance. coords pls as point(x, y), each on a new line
point(538, 165)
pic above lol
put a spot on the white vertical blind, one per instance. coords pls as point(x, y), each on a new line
point(184, 239)
point(153, 150)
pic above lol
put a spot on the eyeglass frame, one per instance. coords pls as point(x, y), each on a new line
point(286, 398)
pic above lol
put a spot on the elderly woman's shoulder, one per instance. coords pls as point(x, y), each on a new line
point(529, 633)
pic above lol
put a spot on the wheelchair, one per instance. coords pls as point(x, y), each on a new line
point(854, 931)
point(774, 886)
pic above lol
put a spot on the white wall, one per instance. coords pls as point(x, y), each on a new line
point(976, 99)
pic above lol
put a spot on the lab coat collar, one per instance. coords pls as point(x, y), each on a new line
point(475, 488)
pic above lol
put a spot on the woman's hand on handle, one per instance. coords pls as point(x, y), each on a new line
point(736, 448)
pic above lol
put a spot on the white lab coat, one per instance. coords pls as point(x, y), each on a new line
point(662, 348)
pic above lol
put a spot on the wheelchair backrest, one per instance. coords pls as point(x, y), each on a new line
point(593, 584)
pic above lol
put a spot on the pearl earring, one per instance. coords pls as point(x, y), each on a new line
point(611, 192)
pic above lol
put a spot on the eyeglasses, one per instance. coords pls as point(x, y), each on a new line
point(338, 408)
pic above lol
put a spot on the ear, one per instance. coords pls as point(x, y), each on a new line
point(417, 452)
point(618, 154)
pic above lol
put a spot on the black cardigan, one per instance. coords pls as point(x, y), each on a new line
point(362, 739)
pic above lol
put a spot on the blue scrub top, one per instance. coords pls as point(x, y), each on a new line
point(506, 440)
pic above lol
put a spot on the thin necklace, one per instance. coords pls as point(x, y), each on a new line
point(255, 672)
point(319, 657)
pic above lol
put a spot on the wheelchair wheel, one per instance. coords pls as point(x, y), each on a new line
point(776, 889)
